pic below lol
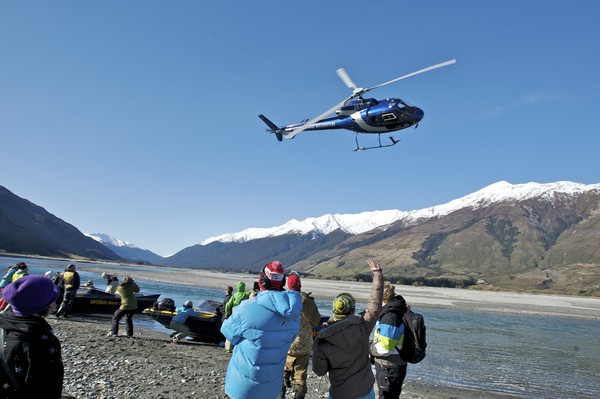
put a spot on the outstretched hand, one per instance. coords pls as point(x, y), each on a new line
point(374, 265)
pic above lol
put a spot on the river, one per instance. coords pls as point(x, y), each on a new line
point(523, 355)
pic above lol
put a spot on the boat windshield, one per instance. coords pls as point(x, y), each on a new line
point(208, 306)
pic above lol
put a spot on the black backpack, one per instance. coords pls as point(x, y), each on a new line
point(414, 344)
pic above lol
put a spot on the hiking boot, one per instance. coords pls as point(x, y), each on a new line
point(298, 391)
point(287, 379)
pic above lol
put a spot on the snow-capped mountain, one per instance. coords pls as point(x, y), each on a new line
point(125, 249)
point(106, 239)
point(519, 236)
point(366, 221)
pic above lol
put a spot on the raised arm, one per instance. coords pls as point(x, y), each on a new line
point(375, 298)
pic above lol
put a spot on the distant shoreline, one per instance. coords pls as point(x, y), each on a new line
point(451, 298)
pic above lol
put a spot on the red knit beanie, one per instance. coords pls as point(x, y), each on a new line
point(293, 281)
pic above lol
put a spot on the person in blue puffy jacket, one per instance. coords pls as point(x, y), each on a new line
point(262, 330)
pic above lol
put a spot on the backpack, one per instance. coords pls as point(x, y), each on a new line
point(413, 347)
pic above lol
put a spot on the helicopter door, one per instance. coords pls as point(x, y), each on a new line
point(390, 120)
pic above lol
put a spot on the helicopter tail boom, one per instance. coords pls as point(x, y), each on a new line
point(274, 128)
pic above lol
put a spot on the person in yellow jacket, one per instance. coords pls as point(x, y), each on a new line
point(70, 283)
point(22, 270)
point(12, 273)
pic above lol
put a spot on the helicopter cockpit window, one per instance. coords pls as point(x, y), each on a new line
point(388, 117)
point(401, 104)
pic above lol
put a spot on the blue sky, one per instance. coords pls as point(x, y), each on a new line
point(138, 119)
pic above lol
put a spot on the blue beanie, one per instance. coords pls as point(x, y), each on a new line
point(30, 294)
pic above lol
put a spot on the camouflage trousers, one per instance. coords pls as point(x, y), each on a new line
point(294, 375)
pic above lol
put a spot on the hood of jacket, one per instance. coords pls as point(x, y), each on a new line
point(397, 305)
point(284, 303)
point(23, 325)
point(240, 287)
point(343, 333)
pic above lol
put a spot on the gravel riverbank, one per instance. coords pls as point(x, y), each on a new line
point(149, 366)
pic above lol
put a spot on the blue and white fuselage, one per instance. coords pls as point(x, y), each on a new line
point(367, 116)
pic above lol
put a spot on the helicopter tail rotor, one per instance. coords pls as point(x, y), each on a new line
point(273, 127)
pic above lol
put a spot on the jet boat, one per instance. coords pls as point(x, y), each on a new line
point(94, 301)
point(204, 328)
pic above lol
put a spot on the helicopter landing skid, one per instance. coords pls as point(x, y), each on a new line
point(359, 148)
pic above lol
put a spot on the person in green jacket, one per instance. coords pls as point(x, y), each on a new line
point(240, 295)
point(126, 290)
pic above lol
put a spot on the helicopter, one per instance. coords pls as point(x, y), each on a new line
point(360, 114)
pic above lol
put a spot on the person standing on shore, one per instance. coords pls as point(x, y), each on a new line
point(236, 298)
point(20, 267)
point(390, 369)
point(262, 330)
point(70, 282)
point(220, 311)
point(342, 347)
point(31, 355)
point(10, 272)
point(127, 290)
point(112, 283)
point(22, 270)
point(178, 321)
point(296, 364)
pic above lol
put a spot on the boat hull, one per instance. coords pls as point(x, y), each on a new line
point(93, 301)
point(203, 328)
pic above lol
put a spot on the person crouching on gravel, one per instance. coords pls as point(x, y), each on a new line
point(178, 321)
point(31, 354)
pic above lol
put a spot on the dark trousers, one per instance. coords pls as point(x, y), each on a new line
point(67, 303)
point(117, 316)
point(389, 380)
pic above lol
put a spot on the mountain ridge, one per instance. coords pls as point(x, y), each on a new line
point(27, 228)
point(126, 250)
point(368, 220)
point(529, 236)
point(510, 236)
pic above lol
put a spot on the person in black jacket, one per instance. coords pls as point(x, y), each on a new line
point(70, 283)
point(390, 369)
point(31, 355)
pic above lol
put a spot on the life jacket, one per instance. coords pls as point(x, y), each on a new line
point(18, 274)
point(70, 280)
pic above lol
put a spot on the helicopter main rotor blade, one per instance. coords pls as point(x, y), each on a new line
point(443, 64)
point(302, 128)
point(346, 78)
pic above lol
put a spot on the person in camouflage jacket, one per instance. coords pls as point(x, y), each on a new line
point(296, 364)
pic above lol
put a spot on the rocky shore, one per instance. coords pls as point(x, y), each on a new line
point(149, 366)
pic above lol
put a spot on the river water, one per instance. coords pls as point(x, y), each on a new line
point(526, 356)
